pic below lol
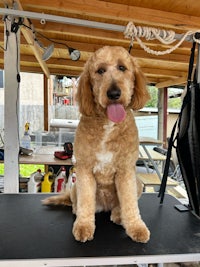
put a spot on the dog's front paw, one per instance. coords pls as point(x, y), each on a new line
point(139, 232)
point(83, 230)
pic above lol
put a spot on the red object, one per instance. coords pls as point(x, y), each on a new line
point(61, 155)
point(66, 102)
point(60, 184)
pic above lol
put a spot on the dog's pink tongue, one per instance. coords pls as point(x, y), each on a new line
point(116, 112)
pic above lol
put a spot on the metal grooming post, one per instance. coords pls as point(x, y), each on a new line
point(11, 136)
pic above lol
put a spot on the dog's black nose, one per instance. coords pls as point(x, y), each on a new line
point(114, 93)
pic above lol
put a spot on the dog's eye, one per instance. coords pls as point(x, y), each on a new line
point(101, 71)
point(121, 68)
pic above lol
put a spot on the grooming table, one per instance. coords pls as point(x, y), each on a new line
point(35, 235)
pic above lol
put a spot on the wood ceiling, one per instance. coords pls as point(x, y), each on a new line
point(170, 69)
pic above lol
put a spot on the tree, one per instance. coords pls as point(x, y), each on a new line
point(153, 101)
point(172, 102)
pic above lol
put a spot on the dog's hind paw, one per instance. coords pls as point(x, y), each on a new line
point(83, 231)
point(139, 233)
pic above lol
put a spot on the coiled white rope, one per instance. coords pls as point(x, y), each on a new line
point(149, 33)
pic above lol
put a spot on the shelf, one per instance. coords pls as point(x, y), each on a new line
point(46, 159)
point(44, 155)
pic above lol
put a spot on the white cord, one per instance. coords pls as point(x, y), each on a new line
point(149, 33)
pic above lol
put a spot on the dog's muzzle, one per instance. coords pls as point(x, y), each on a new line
point(114, 92)
point(115, 110)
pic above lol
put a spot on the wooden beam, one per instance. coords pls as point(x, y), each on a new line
point(163, 72)
point(178, 81)
point(162, 64)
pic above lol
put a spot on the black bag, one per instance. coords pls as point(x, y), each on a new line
point(187, 141)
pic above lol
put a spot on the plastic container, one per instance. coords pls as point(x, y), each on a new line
point(71, 179)
point(26, 139)
point(34, 184)
point(60, 180)
point(47, 183)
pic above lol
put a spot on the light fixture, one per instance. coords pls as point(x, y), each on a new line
point(74, 53)
point(48, 51)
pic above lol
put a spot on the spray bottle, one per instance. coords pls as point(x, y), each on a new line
point(26, 139)
point(72, 178)
point(60, 180)
point(34, 184)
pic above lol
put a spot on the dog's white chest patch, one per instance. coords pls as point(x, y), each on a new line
point(104, 157)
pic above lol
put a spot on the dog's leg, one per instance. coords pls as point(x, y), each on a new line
point(84, 225)
point(127, 193)
point(116, 211)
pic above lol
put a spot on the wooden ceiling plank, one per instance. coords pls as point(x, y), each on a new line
point(163, 72)
point(120, 12)
point(179, 6)
point(172, 82)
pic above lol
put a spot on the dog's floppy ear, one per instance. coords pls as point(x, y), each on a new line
point(140, 95)
point(84, 94)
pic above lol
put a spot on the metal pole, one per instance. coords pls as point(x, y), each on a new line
point(64, 20)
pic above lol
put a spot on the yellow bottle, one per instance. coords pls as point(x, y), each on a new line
point(46, 184)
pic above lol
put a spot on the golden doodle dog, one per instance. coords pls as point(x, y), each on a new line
point(106, 145)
